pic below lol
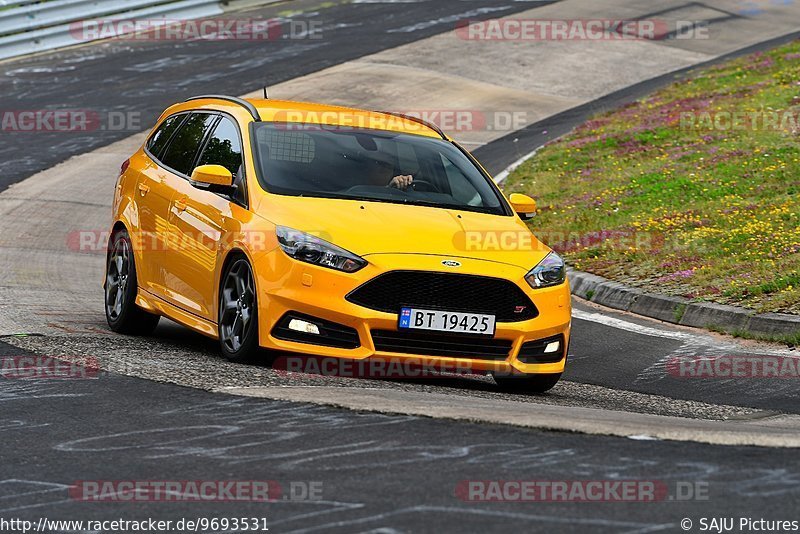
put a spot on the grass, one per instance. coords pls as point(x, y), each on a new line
point(680, 309)
point(665, 195)
point(792, 340)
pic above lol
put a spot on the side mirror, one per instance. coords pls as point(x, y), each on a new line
point(523, 205)
point(212, 175)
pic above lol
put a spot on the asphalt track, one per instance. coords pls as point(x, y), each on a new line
point(144, 77)
point(380, 473)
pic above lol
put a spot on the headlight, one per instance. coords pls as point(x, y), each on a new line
point(551, 271)
point(310, 249)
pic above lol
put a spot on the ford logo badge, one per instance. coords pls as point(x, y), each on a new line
point(451, 263)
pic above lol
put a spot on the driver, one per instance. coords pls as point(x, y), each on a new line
point(381, 171)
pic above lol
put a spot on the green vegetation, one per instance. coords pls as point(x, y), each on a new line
point(692, 191)
point(792, 340)
point(680, 309)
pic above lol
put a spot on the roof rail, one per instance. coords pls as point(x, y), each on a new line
point(236, 100)
point(418, 121)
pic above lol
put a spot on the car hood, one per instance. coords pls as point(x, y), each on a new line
point(367, 228)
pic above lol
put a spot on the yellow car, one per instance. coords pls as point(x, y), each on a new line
point(332, 232)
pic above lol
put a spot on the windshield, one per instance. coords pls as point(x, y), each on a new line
point(374, 165)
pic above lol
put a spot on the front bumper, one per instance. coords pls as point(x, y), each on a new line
point(287, 286)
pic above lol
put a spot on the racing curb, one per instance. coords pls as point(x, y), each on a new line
point(679, 310)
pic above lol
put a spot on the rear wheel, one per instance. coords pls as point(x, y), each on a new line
point(122, 313)
point(528, 383)
point(238, 312)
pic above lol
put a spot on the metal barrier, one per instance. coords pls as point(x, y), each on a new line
point(15, 3)
point(46, 25)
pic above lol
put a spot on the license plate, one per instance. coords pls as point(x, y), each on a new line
point(444, 321)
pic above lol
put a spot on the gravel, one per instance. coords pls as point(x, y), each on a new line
point(183, 358)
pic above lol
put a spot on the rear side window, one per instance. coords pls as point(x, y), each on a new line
point(182, 150)
point(161, 136)
point(224, 147)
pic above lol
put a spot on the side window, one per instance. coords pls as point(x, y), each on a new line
point(161, 136)
point(182, 150)
point(224, 148)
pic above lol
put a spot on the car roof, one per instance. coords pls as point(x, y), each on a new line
point(314, 113)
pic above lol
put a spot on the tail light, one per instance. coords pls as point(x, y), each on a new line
point(124, 166)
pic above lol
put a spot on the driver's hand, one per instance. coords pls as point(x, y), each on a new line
point(402, 182)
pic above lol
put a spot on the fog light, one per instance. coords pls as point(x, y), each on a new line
point(299, 325)
point(553, 346)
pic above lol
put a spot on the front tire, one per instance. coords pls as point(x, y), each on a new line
point(122, 313)
point(238, 312)
point(528, 383)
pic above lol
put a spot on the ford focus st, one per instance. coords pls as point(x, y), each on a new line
point(334, 232)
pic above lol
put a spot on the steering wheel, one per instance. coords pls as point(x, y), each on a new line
point(427, 186)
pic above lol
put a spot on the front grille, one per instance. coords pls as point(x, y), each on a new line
point(445, 291)
point(330, 334)
point(533, 351)
point(435, 344)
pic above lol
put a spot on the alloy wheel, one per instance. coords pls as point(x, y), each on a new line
point(117, 278)
point(236, 306)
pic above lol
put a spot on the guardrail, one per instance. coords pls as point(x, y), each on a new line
point(4, 4)
point(46, 25)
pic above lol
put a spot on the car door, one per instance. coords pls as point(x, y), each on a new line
point(199, 217)
point(176, 161)
point(155, 188)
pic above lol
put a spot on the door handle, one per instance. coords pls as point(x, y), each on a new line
point(180, 204)
point(144, 189)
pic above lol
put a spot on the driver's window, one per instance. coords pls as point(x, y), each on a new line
point(224, 148)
